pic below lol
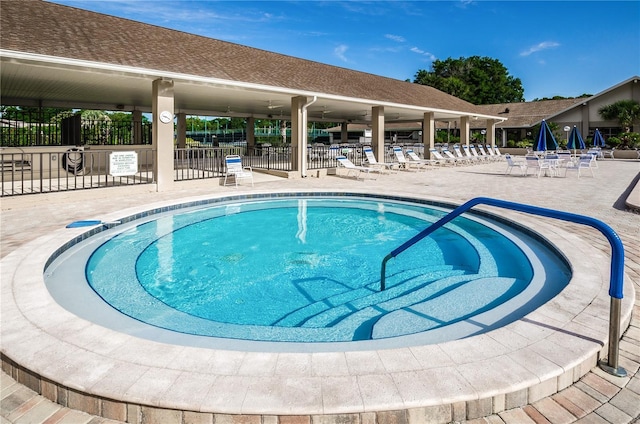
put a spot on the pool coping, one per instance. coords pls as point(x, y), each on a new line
point(518, 364)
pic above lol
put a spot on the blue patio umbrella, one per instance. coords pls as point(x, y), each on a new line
point(546, 140)
point(598, 139)
point(575, 140)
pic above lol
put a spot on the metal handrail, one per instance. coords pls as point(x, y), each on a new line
point(617, 261)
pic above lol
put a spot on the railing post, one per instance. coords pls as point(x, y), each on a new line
point(611, 365)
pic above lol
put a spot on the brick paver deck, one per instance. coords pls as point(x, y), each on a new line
point(596, 398)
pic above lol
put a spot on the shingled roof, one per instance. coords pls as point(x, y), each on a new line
point(527, 114)
point(44, 28)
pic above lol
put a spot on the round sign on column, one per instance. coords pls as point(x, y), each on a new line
point(123, 164)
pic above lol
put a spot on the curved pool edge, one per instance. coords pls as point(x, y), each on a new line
point(80, 299)
point(534, 357)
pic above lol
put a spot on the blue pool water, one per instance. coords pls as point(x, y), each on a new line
point(308, 270)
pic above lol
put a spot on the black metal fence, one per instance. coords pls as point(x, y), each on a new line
point(201, 163)
point(318, 156)
point(32, 172)
point(58, 127)
point(115, 133)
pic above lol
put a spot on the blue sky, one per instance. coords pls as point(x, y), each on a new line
point(563, 48)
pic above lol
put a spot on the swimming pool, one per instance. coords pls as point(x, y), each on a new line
point(306, 269)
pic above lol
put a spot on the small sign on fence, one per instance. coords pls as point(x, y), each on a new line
point(123, 163)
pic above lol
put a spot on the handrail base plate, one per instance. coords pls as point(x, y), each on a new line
point(618, 372)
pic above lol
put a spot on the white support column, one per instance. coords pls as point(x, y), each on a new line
point(297, 132)
point(162, 107)
point(465, 130)
point(584, 124)
point(181, 130)
point(428, 133)
point(344, 133)
point(491, 132)
point(377, 132)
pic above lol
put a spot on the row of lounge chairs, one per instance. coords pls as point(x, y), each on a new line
point(409, 161)
point(467, 155)
point(236, 172)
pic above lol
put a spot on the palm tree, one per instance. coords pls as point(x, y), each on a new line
point(626, 112)
point(96, 126)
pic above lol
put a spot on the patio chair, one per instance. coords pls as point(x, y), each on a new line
point(610, 153)
point(564, 158)
point(353, 169)
point(236, 170)
point(513, 163)
point(405, 164)
point(595, 151)
point(373, 162)
point(584, 162)
point(538, 165)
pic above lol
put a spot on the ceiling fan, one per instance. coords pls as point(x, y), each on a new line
point(323, 112)
point(272, 106)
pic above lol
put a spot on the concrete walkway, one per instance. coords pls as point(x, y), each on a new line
point(596, 398)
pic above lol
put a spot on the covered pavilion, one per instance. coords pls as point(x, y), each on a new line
point(59, 56)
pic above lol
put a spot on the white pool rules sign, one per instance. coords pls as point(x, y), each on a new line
point(122, 164)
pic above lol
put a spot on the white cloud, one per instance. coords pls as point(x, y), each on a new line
point(398, 38)
point(386, 49)
point(462, 4)
point(421, 52)
point(540, 46)
point(340, 51)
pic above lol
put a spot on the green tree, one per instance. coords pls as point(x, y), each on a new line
point(561, 97)
point(120, 117)
point(626, 112)
point(479, 80)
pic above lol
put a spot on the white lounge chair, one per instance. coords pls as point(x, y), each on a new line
point(373, 162)
point(413, 156)
point(499, 154)
point(584, 162)
point(484, 154)
point(476, 155)
point(449, 155)
point(353, 169)
point(236, 170)
point(492, 154)
point(513, 163)
point(404, 163)
point(467, 153)
point(436, 154)
point(459, 156)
